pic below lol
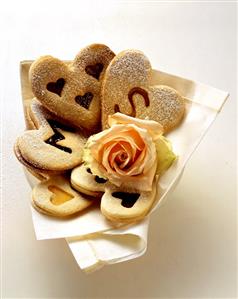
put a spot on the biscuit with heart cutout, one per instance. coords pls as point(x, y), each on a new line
point(127, 205)
point(126, 89)
point(41, 210)
point(52, 147)
point(85, 182)
point(55, 197)
point(73, 91)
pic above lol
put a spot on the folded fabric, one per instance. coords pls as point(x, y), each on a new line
point(114, 246)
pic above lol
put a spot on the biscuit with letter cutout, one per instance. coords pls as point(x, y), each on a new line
point(40, 174)
point(126, 89)
point(53, 147)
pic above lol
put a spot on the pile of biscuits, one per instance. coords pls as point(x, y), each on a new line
point(73, 101)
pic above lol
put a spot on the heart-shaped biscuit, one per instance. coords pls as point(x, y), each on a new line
point(126, 89)
point(72, 91)
point(52, 147)
point(120, 205)
point(55, 197)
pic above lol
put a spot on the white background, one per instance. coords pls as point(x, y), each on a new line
point(192, 239)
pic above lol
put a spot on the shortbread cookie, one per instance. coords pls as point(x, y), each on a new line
point(126, 89)
point(56, 197)
point(29, 122)
point(26, 92)
point(52, 147)
point(121, 205)
point(40, 176)
point(85, 182)
point(37, 172)
point(41, 210)
point(72, 91)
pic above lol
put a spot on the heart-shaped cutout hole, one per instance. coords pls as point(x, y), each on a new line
point(94, 70)
point(128, 199)
point(56, 87)
point(59, 196)
point(84, 100)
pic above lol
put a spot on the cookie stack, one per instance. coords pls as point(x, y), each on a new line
point(74, 101)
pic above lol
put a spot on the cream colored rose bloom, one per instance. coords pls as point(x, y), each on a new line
point(125, 154)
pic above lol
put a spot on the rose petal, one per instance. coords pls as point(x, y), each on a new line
point(130, 148)
point(105, 161)
point(129, 135)
point(154, 128)
point(113, 153)
point(127, 163)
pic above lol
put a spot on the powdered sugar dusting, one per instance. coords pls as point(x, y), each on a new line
point(48, 69)
point(129, 70)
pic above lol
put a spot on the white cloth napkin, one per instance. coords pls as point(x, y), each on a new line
point(110, 247)
point(93, 240)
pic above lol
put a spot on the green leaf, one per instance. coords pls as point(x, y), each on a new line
point(165, 154)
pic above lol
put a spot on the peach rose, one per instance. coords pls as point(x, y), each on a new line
point(125, 154)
